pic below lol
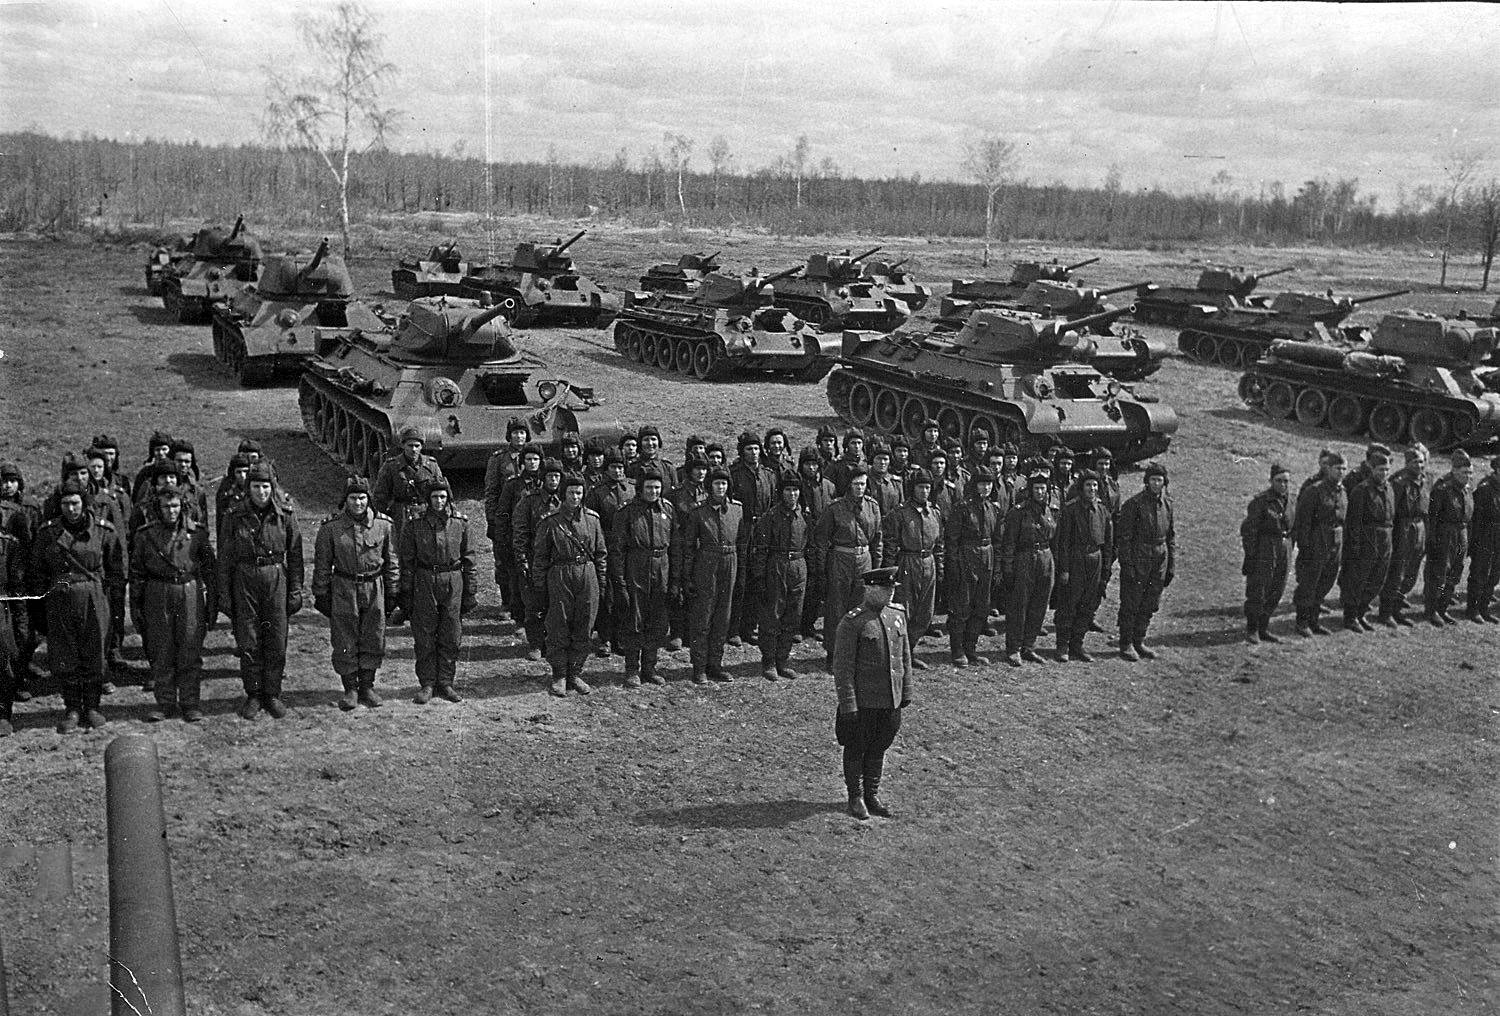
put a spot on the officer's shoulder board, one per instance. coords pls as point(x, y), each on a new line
point(733, 501)
point(104, 523)
point(330, 517)
point(381, 516)
point(455, 514)
point(589, 511)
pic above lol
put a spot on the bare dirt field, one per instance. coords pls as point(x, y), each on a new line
point(1309, 827)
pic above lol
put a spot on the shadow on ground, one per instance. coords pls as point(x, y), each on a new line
point(743, 815)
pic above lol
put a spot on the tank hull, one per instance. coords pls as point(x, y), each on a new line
point(1237, 348)
point(532, 300)
point(821, 306)
point(413, 281)
point(1177, 307)
point(355, 399)
point(191, 288)
point(272, 340)
point(894, 390)
point(709, 346)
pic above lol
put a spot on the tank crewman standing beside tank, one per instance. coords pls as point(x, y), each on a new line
point(260, 586)
point(1408, 538)
point(1085, 540)
point(1027, 568)
point(504, 462)
point(355, 575)
point(158, 449)
point(883, 487)
point(972, 531)
point(648, 456)
point(816, 495)
point(190, 480)
point(641, 536)
point(689, 494)
point(605, 499)
point(570, 554)
point(1484, 547)
point(1147, 546)
point(231, 491)
point(714, 544)
point(173, 599)
point(21, 516)
point(778, 561)
point(1451, 509)
point(507, 572)
point(913, 541)
point(75, 558)
point(1368, 519)
point(535, 506)
point(110, 503)
point(776, 453)
point(570, 451)
point(873, 681)
point(438, 587)
point(754, 485)
point(827, 444)
point(397, 489)
point(931, 442)
point(900, 458)
point(846, 541)
point(840, 470)
point(1318, 531)
point(694, 447)
point(1265, 536)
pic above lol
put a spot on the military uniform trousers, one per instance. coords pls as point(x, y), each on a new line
point(10, 677)
point(1446, 547)
point(1408, 548)
point(175, 615)
point(257, 602)
point(1484, 573)
point(712, 595)
point(644, 605)
point(971, 578)
point(1078, 597)
point(865, 736)
point(917, 578)
point(77, 629)
point(746, 607)
point(505, 570)
point(1140, 591)
point(357, 623)
point(1318, 561)
point(845, 588)
point(782, 590)
point(572, 603)
point(436, 624)
point(1367, 559)
point(1030, 592)
point(534, 612)
point(1266, 583)
point(812, 600)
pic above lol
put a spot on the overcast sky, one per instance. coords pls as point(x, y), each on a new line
point(1171, 92)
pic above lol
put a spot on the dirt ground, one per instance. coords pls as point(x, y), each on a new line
point(1307, 827)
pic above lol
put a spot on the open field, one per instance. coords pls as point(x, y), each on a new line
point(1307, 827)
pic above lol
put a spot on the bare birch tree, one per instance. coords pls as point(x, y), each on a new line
point(334, 110)
point(718, 163)
point(1458, 164)
point(679, 150)
point(990, 160)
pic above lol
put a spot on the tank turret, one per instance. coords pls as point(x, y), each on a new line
point(458, 331)
point(898, 282)
point(1024, 273)
point(540, 287)
point(682, 276)
point(965, 295)
point(1236, 337)
point(216, 265)
point(439, 271)
point(833, 295)
point(1217, 289)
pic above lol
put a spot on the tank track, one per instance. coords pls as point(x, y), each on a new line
point(697, 354)
point(188, 310)
point(351, 434)
point(1221, 349)
point(233, 356)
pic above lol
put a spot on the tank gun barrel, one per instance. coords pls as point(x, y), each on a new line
point(712, 257)
point(571, 241)
point(873, 250)
point(1082, 264)
point(448, 250)
point(787, 274)
point(317, 259)
point(1379, 296)
point(239, 224)
point(1275, 271)
point(478, 321)
point(1102, 318)
point(1120, 289)
point(893, 267)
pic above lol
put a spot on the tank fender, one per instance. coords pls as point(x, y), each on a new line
point(1146, 418)
point(1041, 418)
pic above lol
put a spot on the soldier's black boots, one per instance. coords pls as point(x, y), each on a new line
point(422, 697)
point(559, 685)
point(1030, 655)
point(250, 708)
point(1265, 634)
point(69, 722)
point(1143, 652)
point(632, 668)
point(768, 671)
point(857, 807)
point(648, 668)
point(975, 660)
point(1252, 635)
point(350, 698)
point(447, 693)
point(959, 662)
point(699, 678)
point(872, 799)
point(716, 673)
point(1487, 617)
point(192, 714)
point(784, 670)
point(274, 706)
point(367, 696)
point(1317, 629)
point(1079, 653)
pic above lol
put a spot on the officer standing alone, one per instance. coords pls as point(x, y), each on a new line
point(872, 677)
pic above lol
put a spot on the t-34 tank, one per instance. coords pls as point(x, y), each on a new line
point(540, 287)
point(1238, 337)
point(1022, 378)
point(893, 277)
point(162, 257)
point(1419, 379)
point(965, 295)
point(440, 273)
point(1217, 289)
point(728, 328)
point(301, 304)
point(218, 266)
point(453, 369)
point(683, 277)
point(832, 295)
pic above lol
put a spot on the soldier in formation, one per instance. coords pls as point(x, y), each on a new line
point(174, 599)
point(355, 575)
point(436, 575)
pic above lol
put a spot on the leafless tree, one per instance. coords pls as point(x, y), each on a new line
point(1458, 165)
point(796, 164)
point(1485, 200)
point(990, 160)
point(334, 110)
point(679, 150)
point(718, 163)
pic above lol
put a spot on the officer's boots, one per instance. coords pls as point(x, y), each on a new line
point(648, 667)
point(768, 671)
point(632, 668)
point(784, 670)
point(93, 716)
point(575, 677)
point(367, 696)
point(559, 685)
point(350, 698)
point(857, 804)
point(422, 697)
point(1078, 653)
point(72, 711)
point(448, 693)
point(872, 797)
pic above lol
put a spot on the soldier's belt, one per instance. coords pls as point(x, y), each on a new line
point(787, 555)
point(730, 549)
point(439, 567)
point(571, 560)
point(916, 553)
point(266, 559)
point(355, 577)
point(76, 578)
point(647, 552)
point(1034, 545)
point(850, 546)
point(969, 543)
point(180, 578)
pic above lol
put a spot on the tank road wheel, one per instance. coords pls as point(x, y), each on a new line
point(913, 414)
point(718, 360)
point(1388, 423)
point(618, 334)
point(887, 411)
point(682, 357)
point(1280, 400)
point(633, 343)
point(1346, 415)
point(700, 360)
point(1227, 351)
point(1252, 390)
point(1010, 433)
point(666, 352)
point(1312, 407)
point(838, 393)
point(987, 423)
point(1463, 424)
point(950, 422)
point(375, 452)
point(862, 404)
point(1431, 428)
point(648, 350)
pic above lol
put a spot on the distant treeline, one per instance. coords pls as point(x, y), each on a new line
point(56, 184)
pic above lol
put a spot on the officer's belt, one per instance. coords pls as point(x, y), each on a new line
point(264, 559)
point(178, 578)
point(354, 577)
point(439, 567)
point(970, 543)
point(650, 552)
point(916, 553)
point(1034, 545)
point(850, 546)
point(725, 549)
point(571, 560)
point(72, 578)
point(790, 555)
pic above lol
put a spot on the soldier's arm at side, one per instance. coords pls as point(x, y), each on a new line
point(322, 578)
point(845, 653)
point(296, 568)
point(875, 558)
